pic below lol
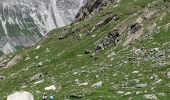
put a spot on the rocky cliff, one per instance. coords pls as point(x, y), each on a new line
point(24, 22)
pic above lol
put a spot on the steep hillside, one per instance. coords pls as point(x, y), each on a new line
point(24, 22)
point(120, 50)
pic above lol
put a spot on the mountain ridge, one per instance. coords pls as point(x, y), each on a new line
point(31, 20)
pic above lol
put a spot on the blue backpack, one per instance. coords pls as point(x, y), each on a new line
point(51, 98)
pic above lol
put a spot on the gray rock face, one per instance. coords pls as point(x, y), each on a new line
point(36, 77)
point(140, 85)
point(112, 38)
point(24, 22)
point(105, 21)
point(92, 7)
point(8, 48)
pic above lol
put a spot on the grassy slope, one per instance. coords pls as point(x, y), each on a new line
point(64, 59)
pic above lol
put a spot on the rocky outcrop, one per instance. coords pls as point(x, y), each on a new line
point(82, 30)
point(65, 33)
point(111, 38)
point(45, 14)
point(36, 77)
point(92, 7)
point(105, 21)
point(13, 61)
point(134, 32)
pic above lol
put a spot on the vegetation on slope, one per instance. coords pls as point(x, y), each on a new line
point(131, 71)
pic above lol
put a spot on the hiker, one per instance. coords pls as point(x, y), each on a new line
point(44, 96)
point(51, 98)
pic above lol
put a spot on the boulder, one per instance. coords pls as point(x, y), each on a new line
point(87, 51)
point(40, 64)
point(52, 87)
point(2, 77)
point(168, 74)
point(105, 21)
point(36, 77)
point(97, 85)
point(150, 97)
point(38, 47)
point(84, 84)
point(20, 96)
point(140, 85)
point(108, 19)
point(77, 95)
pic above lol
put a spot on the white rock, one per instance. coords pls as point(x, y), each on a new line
point(75, 73)
point(40, 63)
point(137, 51)
point(84, 84)
point(93, 36)
point(81, 36)
point(136, 80)
point(27, 58)
point(111, 54)
point(138, 92)
point(158, 81)
point(52, 87)
point(119, 92)
point(139, 20)
point(135, 72)
point(161, 94)
point(38, 82)
point(127, 93)
point(20, 96)
point(24, 86)
point(36, 57)
point(47, 50)
point(97, 76)
point(77, 81)
point(38, 47)
point(150, 96)
point(155, 49)
point(97, 85)
point(168, 74)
